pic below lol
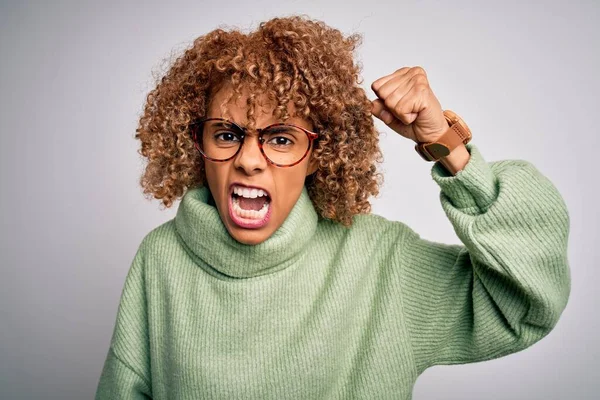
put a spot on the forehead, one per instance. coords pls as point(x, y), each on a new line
point(236, 109)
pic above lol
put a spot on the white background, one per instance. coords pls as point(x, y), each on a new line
point(73, 81)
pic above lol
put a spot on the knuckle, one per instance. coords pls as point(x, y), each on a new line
point(422, 79)
point(419, 70)
point(399, 107)
point(422, 86)
point(390, 102)
point(421, 83)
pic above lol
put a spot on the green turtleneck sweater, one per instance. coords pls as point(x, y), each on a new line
point(320, 311)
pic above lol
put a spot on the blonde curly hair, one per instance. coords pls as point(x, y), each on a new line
point(288, 59)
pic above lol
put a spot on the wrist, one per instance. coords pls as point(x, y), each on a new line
point(456, 160)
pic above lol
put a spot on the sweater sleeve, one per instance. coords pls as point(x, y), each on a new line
point(506, 286)
point(126, 369)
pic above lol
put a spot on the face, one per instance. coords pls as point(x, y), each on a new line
point(249, 168)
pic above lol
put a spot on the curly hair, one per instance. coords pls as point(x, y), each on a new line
point(288, 59)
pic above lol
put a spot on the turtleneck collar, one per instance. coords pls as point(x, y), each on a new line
point(200, 226)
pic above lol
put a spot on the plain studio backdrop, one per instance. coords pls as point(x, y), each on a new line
point(73, 80)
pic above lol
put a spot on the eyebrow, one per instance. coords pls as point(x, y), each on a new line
point(222, 124)
point(229, 125)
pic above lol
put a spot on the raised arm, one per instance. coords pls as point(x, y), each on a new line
point(505, 288)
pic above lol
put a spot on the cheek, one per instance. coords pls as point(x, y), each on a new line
point(289, 187)
point(210, 178)
point(215, 174)
point(216, 179)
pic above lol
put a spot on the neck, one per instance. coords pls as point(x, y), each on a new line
point(200, 226)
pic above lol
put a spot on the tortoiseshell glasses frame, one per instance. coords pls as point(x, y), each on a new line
point(312, 136)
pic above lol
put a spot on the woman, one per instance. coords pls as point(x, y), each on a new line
point(274, 281)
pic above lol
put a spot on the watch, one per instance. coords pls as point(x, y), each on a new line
point(457, 133)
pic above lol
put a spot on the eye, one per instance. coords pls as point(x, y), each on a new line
point(282, 136)
point(280, 141)
point(226, 136)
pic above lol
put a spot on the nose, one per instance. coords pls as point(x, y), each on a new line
point(250, 158)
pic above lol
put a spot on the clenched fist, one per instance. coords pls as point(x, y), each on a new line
point(407, 104)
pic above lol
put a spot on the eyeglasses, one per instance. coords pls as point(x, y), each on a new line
point(283, 145)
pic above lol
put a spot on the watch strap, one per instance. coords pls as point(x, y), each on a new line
point(452, 138)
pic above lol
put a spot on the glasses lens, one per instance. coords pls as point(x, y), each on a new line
point(285, 144)
point(282, 144)
point(218, 139)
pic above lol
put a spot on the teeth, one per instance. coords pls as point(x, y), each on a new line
point(249, 214)
point(249, 193)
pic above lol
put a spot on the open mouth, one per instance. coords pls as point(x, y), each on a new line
point(253, 208)
point(249, 207)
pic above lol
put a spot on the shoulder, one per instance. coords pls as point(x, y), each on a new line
point(373, 223)
point(159, 237)
point(367, 228)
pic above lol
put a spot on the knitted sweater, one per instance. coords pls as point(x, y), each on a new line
point(321, 311)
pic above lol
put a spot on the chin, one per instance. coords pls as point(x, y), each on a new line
point(248, 236)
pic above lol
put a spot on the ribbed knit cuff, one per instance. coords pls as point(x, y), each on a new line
point(473, 189)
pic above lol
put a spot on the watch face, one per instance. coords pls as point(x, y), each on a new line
point(452, 119)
